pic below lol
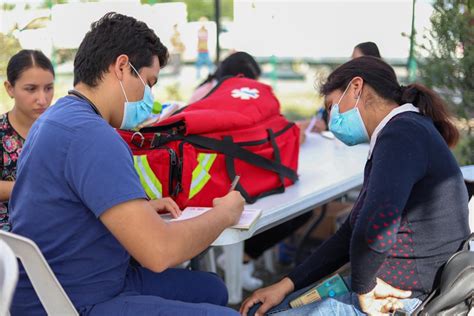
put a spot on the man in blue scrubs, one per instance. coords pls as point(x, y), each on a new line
point(79, 198)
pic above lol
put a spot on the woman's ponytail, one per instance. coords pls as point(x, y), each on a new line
point(430, 104)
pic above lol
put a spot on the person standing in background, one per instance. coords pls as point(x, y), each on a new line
point(177, 50)
point(203, 57)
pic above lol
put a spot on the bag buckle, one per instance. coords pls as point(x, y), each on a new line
point(160, 139)
point(156, 141)
point(138, 143)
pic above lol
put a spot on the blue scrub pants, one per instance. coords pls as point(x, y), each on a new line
point(172, 292)
point(203, 59)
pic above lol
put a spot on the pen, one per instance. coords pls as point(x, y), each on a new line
point(314, 119)
point(234, 183)
point(311, 124)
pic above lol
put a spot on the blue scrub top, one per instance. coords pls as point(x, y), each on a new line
point(73, 168)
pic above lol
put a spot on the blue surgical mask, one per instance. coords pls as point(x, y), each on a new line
point(136, 112)
point(348, 127)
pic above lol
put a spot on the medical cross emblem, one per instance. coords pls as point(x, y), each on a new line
point(245, 93)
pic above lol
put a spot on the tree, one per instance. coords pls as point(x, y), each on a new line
point(8, 6)
point(48, 4)
point(449, 67)
point(10, 46)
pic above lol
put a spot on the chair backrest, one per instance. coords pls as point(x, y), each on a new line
point(8, 277)
point(471, 216)
point(51, 294)
point(454, 293)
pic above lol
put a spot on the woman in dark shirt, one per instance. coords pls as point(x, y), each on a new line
point(411, 214)
point(30, 82)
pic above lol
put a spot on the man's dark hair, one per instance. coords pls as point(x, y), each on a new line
point(111, 36)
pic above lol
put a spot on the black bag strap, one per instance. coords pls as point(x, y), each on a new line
point(230, 167)
point(235, 151)
point(276, 152)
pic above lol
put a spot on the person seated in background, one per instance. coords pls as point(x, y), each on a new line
point(79, 198)
point(242, 63)
point(30, 83)
point(366, 49)
point(411, 214)
point(319, 122)
point(238, 63)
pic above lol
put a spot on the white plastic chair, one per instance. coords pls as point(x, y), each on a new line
point(8, 277)
point(51, 294)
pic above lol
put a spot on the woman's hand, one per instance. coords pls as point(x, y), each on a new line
point(269, 296)
point(319, 126)
point(383, 299)
point(166, 204)
point(303, 125)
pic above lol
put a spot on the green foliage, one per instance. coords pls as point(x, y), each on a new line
point(64, 55)
point(8, 6)
point(172, 92)
point(10, 46)
point(294, 112)
point(464, 151)
point(200, 8)
point(450, 65)
point(48, 4)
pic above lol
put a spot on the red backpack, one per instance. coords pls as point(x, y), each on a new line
point(237, 129)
